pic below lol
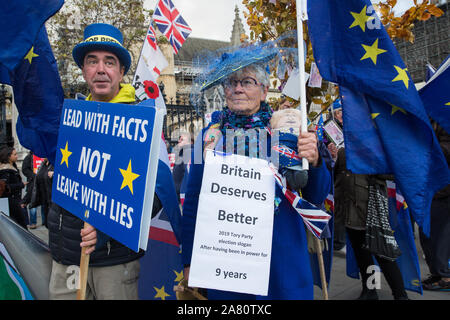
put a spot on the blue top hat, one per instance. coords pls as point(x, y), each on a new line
point(105, 37)
point(229, 63)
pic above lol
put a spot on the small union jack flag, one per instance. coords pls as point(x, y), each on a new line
point(170, 22)
point(151, 37)
point(315, 219)
point(288, 152)
point(394, 193)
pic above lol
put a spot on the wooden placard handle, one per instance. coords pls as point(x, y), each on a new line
point(84, 268)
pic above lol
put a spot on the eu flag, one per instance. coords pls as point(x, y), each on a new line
point(319, 128)
point(20, 23)
point(161, 266)
point(39, 97)
point(436, 96)
point(386, 127)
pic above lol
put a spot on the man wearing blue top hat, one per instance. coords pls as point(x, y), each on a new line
point(113, 268)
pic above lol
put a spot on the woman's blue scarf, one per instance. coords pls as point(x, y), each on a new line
point(228, 120)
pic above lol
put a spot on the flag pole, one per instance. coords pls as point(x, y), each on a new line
point(301, 68)
point(301, 15)
point(323, 279)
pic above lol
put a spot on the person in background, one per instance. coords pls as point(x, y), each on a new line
point(14, 185)
point(28, 172)
point(43, 189)
point(351, 207)
point(182, 157)
point(436, 247)
point(285, 104)
point(339, 241)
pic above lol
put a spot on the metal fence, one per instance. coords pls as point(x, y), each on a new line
point(179, 119)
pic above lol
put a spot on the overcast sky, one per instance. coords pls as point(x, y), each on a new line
point(213, 19)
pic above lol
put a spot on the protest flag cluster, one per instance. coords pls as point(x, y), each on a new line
point(386, 127)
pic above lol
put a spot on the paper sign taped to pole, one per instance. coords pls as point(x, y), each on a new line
point(292, 86)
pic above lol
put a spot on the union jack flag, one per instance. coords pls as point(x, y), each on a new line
point(395, 194)
point(288, 152)
point(315, 219)
point(151, 37)
point(170, 22)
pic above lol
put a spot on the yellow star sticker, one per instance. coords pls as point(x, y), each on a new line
point(161, 293)
point(374, 115)
point(402, 76)
point(361, 19)
point(128, 177)
point(30, 55)
point(395, 109)
point(372, 52)
point(447, 104)
point(65, 155)
point(179, 277)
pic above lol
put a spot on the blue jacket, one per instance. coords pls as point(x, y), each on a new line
point(290, 270)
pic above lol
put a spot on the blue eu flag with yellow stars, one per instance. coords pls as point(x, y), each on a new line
point(436, 96)
point(386, 127)
point(20, 23)
point(25, 54)
point(39, 97)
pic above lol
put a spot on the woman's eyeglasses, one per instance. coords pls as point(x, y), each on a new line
point(246, 83)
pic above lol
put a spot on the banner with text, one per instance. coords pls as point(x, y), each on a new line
point(233, 233)
point(105, 167)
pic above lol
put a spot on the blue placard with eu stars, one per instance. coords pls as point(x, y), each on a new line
point(104, 163)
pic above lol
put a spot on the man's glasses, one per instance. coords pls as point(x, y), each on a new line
point(246, 83)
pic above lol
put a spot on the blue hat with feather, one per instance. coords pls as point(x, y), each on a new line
point(230, 62)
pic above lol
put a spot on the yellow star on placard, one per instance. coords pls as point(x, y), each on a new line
point(161, 293)
point(179, 276)
point(395, 109)
point(30, 55)
point(128, 177)
point(65, 155)
point(372, 52)
point(447, 104)
point(361, 19)
point(402, 76)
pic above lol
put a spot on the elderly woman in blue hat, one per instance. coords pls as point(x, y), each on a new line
point(114, 269)
point(245, 82)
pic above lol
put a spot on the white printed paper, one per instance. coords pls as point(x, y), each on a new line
point(233, 234)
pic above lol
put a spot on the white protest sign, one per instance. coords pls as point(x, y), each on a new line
point(233, 233)
point(292, 86)
point(315, 80)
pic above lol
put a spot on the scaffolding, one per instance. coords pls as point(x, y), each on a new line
point(431, 45)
